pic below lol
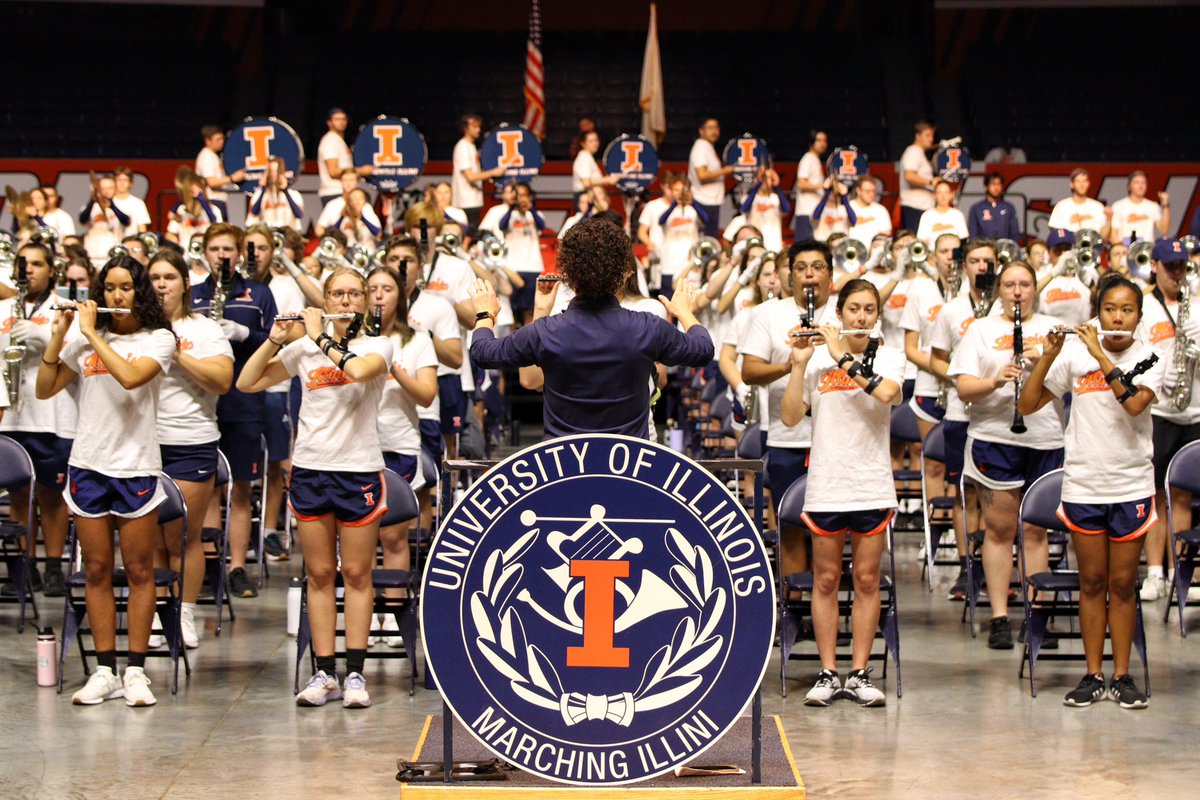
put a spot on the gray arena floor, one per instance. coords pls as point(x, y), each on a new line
point(966, 726)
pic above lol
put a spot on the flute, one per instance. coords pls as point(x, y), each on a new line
point(549, 278)
point(843, 331)
point(99, 310)
point(297, 317)
point(1117, 334)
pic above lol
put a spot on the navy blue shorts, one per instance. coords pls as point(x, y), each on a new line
point(1123, 522)
point(189, 462)
point(907, 388)
point(93, 494)
point(278, 426)
point(431, 439)
point(403, 465)
point(1009, 466)
point(926, 409)
point(49, 454)
point(241, 442)
point(453, 401)
point(354, 498)
point(871, 522)
point(784, 466)
point(955, 436)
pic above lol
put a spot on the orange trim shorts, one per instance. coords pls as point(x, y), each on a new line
point(871, 522)
point(354, 498)
point(1123, 522)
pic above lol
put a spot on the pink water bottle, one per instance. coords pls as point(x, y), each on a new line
point(47, 658)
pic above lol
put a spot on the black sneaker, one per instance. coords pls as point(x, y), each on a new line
point(55, 583)
point(1049, 640)
point(1089, 690)
point(959, 590)
point(1001, 636)
point(1124, 691)
point(35, 583)
point(241, 586)
point(273, 544)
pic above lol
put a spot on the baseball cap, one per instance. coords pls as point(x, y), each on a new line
point(1059, 236)
point(1168, 250)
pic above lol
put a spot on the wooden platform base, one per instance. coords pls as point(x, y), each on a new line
point(779, 776)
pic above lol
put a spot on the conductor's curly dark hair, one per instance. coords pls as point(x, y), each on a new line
point(146, 306)
point(595, 257)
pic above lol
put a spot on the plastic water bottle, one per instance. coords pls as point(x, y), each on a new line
point(293, 607)
point(47, 658)
point(675, 437)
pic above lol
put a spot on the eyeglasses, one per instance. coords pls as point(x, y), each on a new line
point(342, 294)
point(816, 266)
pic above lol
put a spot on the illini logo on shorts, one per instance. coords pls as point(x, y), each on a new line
point(598, 609)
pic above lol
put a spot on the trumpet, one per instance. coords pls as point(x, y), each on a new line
point(150, 242)
point(195, 253)
point(1008, 251)
point(448, 243)
point(1191, 244)
point(918, 253)
point(297, 317)
point(1138, 259)
point(99, 309)
point(329, 257)
point(492, 250)
point(359, 259)
point(117, 251)
point(1088, 239)
point(704, 251)
point(848, 254)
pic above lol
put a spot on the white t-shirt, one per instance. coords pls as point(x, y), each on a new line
point(934, 223)
point(913, 159)
point(764, 214)
point(679, 234)
point(952, 323)
point(1072, 216)
point(337, 430)
point(1158, 331)
point(705, 155)
point(768, 336)
point(834, 219)
point(435, 316)
point(135, 209)
point(585, 166)
point(32, 415)
point(524, 243)
point(735, 334)
point(649, 217)
point(187, 413)
point(986, 348)
point(463, 192)
point(812, 170)
point(398, 418)
point(920, 314)
point(1066, 298)
point(850, 465)
point(333, 215)
point(1131, 218)
point(209, 165)
point(289, 299)
point(1108, 452)
point(452, 279)
point(491, 218)
point(61, 221)
point(275, 210)
point(893, 311)
point(117, 440)
point(570, 222)
point(871, 221)
point(332, 147)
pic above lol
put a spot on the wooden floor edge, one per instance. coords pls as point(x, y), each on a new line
point(787, 751)
point(425, 732)
point(415, 791)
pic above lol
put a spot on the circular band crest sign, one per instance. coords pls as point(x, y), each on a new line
point(598, 609)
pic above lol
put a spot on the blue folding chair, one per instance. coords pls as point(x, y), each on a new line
point(215, 574)
point(1039, 507)
point(904, 429)
point(402, 507)
point(938, 516)
point(1183, 472)
point(793, 611)
point(16, 473)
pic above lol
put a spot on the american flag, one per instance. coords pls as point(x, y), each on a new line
point(535, 92)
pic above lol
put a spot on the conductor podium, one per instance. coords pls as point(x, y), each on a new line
point(599, 611)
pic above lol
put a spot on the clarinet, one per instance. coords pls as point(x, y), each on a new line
point(810, 307)
point(375, 323)
point(1018, 423)
point(222, 286)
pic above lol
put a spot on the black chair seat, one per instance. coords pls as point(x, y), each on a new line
point(906, 475)
point(11, 530)
point(391, 578)
point(1055, 581)
point(944, 503)
point(976, 537)
point(419, 535)
point(162, 577)
point(211, 534)
point(1191, 537)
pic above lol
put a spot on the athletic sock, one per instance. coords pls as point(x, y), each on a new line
point(327, 664)
point(355, 659)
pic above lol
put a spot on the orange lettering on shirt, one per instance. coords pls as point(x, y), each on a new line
point(1061, 295)
point(437, 286)
point(933, 313)
point(763, 208)
point(897, 301)
point(324, 377)
point(1135, 218)
point(836, 380)
point(675, 222)
point(94, 365)
point(1091, 382)
point(1080, 219)
point(966, 323)
point(184, 344)
point(1006, 342)
point(1161, 331)
point(942, 226)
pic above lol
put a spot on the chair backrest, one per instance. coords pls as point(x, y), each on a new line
point(750, 445)
point(1040, 504)
point(429, 468)
point(174, 507)
point(1184, 470)
point(16, 467)
point(904, 424)
point(223, 470)
point(721, 407)
point(709, 392)
point(934, 448)
point(792, 503)
point(401, 500)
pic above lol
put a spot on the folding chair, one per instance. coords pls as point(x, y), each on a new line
point(793, 611)
point(938, 516)
point(904, 429)
point(16, 472)
point(169, 609)
point(402, 507)
point(215, 574)
point(1039, 507)
point(1182, 473)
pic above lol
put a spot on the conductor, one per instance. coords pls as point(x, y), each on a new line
point(597, 357)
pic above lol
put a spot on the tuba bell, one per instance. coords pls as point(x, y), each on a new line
point(849, 254)
point(704, 251)
point(1008, 251)
point(492, 250)
point(1139, 258)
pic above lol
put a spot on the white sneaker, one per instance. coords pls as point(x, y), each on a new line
point(354, 692)
point(320, 689)
point(137, 688)
point(390, 626)
point(1193, 594)
point(103, 685)
point(825, 690)
point(1153, 588)
point(376, 629)
point(860, 689)
point(156, 639)
point(187, 623)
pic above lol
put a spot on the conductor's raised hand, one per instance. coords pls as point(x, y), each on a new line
point(483, 298)
point(544, 298)
point(682, 301)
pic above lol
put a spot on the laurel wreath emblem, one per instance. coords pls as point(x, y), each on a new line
point(671, 674)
